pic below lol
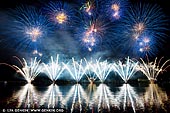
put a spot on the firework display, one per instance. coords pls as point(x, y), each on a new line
point(116, 25)
point(71, 45)
point(93, 69)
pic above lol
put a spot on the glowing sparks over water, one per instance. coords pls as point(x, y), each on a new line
point(27, 97)
point(153, 69)
point(76, 69)
point(103, 97)
point(155, 96)
point(54, 69)
point(89, 71)
point(90, 91)
point(127, 96)
point(29, 72)
point(52, 97)
point(125, 70)
point(77, 96)
point(101, 69)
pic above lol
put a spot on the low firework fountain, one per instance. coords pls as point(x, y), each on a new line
point(153, 69)
point(54, 69)
point(125, 70)
point(89, 71)
point(29, 72)
point(127, 96)
point(76, 69)
point(101, 69)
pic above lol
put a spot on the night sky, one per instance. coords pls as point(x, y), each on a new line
point(7, 52)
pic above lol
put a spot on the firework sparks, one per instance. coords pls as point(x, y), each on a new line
point(27, 27)
point(89, 7)
point(126, 70)
point(60, 13)
point(89, 71)
point(29, 72)
point(75, 69)
point(114, 9)
point(34, 33)
point(153, 69)
point(93, 32)
point(61, 18)
point(54, 69)
point(142, 20)
point(102, 69)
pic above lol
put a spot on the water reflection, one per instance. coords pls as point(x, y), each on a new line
point(129, 98)
point(26, 97)
point(155, 96)
point(103, 98)
point(90, 98)
point(52, 97)
point(76, 96)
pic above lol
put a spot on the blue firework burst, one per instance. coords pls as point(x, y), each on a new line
point(114, 9)
point(94, 33)
point(61, 14)
point(142, 19)
point(26, 28)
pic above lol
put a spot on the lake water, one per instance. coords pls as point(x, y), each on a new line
point(86, 98)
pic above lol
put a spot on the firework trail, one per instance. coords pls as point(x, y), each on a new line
point(153, 69)
point(28, 71)
point(125, 70)
point(54, 69)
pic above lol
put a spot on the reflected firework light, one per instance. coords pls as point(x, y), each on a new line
point(103, 98)
point(76, 95)
point(155, 96)
point(128, 97)
point(27, 97)
point(52, 97)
